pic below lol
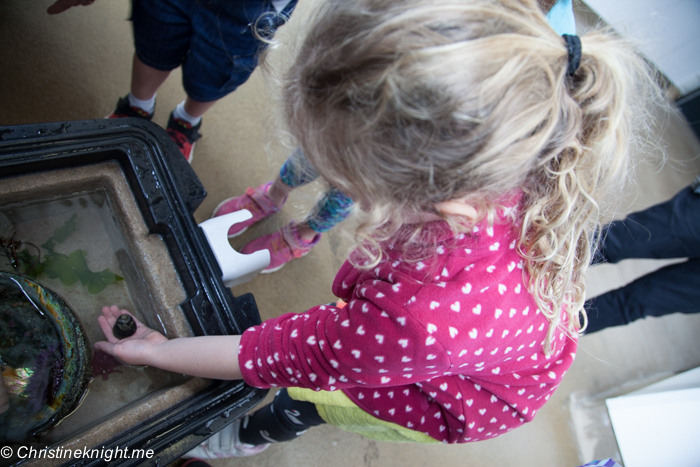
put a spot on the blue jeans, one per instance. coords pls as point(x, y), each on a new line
point(667, 230)
point(213, 40)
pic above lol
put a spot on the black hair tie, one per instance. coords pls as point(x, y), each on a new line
point(573, 49)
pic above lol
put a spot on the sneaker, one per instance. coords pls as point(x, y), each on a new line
point(254, 200)
point(125, 110)
point(184, 135)
point(225, 443)
point(284, 246)
point(196, 463)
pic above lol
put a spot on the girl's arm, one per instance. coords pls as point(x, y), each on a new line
point(213, 357)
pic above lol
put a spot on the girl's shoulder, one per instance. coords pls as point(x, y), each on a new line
point(439, 252)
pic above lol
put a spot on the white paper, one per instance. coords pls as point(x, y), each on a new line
point(659, 425)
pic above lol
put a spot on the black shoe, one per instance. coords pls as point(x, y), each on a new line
point(184, 135)
point(196, 463)
point(124, 110)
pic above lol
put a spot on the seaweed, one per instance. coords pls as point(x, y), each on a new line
point(70, 268)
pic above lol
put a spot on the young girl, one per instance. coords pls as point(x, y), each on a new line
point(296, 239)
point(480, 144)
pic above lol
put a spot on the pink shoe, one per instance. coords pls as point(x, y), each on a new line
point(254, 200)
point(284, 246)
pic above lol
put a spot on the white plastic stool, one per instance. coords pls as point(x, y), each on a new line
point(237, 268)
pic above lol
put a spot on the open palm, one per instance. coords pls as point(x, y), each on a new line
point(132, 350)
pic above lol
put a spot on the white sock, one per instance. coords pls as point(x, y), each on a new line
point(147, 105)
point(181, 114)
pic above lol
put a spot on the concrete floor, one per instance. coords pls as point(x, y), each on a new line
point(74, 67)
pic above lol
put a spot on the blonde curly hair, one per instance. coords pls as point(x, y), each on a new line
point(406, 104)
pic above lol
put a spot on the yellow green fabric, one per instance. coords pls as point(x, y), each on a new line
point(338, 410)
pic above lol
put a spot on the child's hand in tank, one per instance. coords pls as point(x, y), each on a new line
point(133, 350)
point(213, 357)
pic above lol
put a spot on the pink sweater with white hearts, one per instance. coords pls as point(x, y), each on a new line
point(452, 347)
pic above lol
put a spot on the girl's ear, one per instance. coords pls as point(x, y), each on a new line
point(457, 207)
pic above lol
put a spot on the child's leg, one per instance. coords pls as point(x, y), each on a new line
point(666, 230)
point(297, 239)
point(161, 40)
point(332, 209)
point(284, 419)
point(145, 80)
point(672, 289)
point(297, 170)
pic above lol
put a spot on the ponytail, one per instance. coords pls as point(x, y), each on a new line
point(605, 114)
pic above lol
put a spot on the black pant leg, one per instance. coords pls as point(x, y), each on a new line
point(282, 420)
point(666, 230)
point(672, 289)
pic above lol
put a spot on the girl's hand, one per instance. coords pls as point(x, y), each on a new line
point(134, 350)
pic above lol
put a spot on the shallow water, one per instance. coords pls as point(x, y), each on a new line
point(84, 260)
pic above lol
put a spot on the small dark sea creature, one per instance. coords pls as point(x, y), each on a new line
point(44, 358)
point(124, 327)
point(12, 246)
